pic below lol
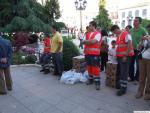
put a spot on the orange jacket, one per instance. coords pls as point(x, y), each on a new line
point(122, 46)
point(47, 44)
point(92, 49)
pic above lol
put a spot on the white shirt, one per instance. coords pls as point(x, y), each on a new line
point(128, 38)
point(146, 54)
point(112, 56)
point(81, 36)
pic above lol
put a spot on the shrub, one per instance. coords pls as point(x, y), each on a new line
point(30, 59)
point(69, 51)
point(21, 58)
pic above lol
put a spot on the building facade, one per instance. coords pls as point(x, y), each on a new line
point(128, 10)
point(138, 9)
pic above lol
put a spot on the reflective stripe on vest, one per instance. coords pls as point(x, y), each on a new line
point(125, 53)
point(122, 46)
point(92, 49)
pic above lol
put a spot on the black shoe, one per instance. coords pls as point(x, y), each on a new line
point(130, 80)
point(97, 85)
point(41, 70)
point(3, 93)
point(9, 89)
point(46, 71)
point(56, 74)
point(121, 92)
point(118, 87)
point(89, 82)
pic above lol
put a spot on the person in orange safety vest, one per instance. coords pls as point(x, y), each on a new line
point(123, 52)
point(46, 56)
point(92, 53)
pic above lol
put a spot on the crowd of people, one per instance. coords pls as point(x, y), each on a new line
point(130, 49)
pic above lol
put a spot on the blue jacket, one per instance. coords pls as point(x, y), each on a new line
point(5, 52)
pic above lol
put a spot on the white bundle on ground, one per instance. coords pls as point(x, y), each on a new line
point(72, 77)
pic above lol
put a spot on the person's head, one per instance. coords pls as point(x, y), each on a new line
point(128, 27)
point(137, 21)
point(148, 28)
point(113, 43)
point(53, 28)
point(92, 26)
point(115, 29)
point(98, 29)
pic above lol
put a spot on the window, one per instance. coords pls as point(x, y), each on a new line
point(144, 12)
point(123, 14)
point(130, 13)
point(137, 13)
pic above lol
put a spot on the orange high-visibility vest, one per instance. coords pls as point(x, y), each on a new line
point(122, 46)
point(92, 49)
point(47, 44)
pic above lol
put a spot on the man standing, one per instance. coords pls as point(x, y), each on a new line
point(56, 50)
point(137, 33)
point(123, 52)
point(92, 53)
point(5, 61)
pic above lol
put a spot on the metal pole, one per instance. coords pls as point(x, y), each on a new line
point(81, 20)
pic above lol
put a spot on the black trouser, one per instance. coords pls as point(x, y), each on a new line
point(58, 63)
point(122, 71)
point(104, 59)
point(134, 75)
point(45, 58)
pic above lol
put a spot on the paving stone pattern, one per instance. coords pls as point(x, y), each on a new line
point(34, 92)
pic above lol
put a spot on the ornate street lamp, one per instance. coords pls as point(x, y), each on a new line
point(80, 5)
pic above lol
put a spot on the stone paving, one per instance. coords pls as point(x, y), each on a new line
point(34, 92)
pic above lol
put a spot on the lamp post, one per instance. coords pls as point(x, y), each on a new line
point(80, 5)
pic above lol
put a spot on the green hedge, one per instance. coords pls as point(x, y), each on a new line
point(21, 58)
point(69, 51)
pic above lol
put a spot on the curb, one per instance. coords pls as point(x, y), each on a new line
point(25, 65)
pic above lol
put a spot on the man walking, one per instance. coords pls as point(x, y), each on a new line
point(137, 33)
point(123, 52)
point(5, 61)
point(56, 50)
point(92, 53)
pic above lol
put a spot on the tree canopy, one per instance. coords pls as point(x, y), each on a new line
point(102, 18)
point(27, 15)
point(145, 22)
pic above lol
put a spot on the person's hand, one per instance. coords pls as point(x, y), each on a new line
point(3, 60)
point(124, 58)
point(83, 42)
point(144, 37)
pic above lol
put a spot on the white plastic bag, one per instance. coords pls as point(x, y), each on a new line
point(84, 77)
point(72, 77)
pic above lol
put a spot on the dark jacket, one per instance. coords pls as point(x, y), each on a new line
point(5, 52)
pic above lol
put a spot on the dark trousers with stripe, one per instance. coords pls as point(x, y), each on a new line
point(123, 69)
point(93, 67)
